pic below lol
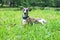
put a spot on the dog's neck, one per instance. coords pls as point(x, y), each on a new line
point(25, 17)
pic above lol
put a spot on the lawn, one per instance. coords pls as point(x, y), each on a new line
point(11, 28)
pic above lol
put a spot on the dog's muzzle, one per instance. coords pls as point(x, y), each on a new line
point(25, 13)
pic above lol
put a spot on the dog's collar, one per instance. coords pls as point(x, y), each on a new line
point(25, 17)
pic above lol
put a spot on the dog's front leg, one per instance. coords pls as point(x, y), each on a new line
point(24, 22)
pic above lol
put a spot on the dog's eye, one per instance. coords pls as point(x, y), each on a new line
point(24, 10)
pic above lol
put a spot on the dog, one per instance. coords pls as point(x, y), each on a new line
point(26, 19)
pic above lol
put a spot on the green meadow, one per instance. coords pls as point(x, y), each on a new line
point(12, 29)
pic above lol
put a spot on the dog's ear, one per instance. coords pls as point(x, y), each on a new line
point(21, 8)
point(29, 9)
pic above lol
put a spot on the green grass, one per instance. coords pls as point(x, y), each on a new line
point(11, 28)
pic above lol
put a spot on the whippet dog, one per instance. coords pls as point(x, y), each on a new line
point(27, 19)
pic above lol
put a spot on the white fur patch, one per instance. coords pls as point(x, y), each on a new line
point(42, 21)
point(24, 22)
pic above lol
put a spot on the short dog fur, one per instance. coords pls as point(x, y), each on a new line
point(26, 19)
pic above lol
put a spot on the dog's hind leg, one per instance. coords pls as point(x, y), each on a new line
point(42, 21)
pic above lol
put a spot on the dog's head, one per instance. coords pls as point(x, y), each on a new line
point(26, 10)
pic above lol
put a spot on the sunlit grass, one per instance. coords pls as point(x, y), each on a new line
point(11, 28)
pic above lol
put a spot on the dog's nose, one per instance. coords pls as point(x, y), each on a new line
point(24, 13)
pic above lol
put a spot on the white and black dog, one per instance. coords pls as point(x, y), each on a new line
point(26, 19)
